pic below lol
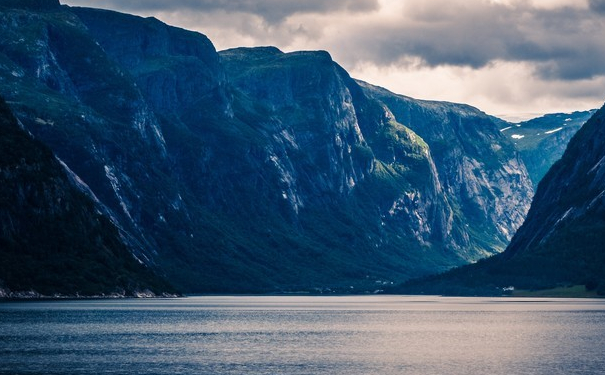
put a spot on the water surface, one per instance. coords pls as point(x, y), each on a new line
point(304, 335)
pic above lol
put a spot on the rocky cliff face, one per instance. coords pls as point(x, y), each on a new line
point(330, 142)
point(482, 175)
point(53, 240)
point(307, 109)
point(256, 170)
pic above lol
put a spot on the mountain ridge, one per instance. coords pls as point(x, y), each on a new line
point(254, 170)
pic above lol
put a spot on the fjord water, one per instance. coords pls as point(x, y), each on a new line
point(304, 335)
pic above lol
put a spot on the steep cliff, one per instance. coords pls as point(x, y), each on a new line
point(337, 151)
point(53, 239)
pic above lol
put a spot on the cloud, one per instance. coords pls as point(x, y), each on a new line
point(563, 43)
point(501, 88)
point(272, 11)
point(597, 6)
point(561, 38)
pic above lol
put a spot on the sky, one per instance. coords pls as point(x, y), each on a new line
point(515, 59)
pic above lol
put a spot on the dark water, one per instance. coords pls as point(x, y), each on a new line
point(304, 335)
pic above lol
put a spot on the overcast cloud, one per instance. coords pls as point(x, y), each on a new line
point(272, 11)
point(507, 57)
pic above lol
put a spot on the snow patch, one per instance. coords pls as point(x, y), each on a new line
point(567, 120)
point(596, 199)
point(158, 133)
point(517, 136)
point(338, 141)
point(290, 138)
point(143, 119)
point(76, 180)
point(553, 131)
point(564, 216)
point(289, 181)
point(137, 259)
point(40, 121)
point(115, 184)
point(285, 176)
point(505, 129)
point(350, 182)
point(101, 208)
point(597, 165)
point(139, 121)
point(177, 203)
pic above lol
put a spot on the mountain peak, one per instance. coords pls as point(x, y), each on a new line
point(270, 53)
point(321, 54)
point(260, 51)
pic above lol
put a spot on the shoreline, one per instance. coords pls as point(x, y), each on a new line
point(32, 295)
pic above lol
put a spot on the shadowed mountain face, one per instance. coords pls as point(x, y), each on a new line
point(254, 170)
point(568, 211)
point(52, 238)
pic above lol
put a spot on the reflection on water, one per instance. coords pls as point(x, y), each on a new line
point(304, 335)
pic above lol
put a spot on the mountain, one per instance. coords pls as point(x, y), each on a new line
point(561, 241)
point(254, 170)
point(541, 141)
point(53, 240)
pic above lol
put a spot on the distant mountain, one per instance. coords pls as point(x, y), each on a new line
point(254, 170)
point(542, 141)
point(53, 239)
point(561, 241)
point(482, 175)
